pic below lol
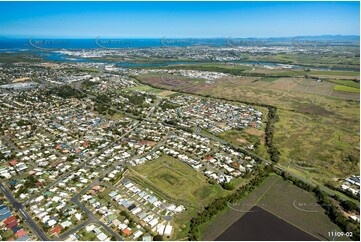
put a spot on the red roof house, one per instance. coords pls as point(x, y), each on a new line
point(96, 188)
point(9, 219)
point(56, 229)
point(20, 233)
point(12, 224)
point(127, 231)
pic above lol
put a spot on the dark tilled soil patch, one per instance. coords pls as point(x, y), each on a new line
point(313, 109)
point(261, 225)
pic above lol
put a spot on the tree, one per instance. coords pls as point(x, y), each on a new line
point(228, 186)
point(158, 238)
point(349, 206)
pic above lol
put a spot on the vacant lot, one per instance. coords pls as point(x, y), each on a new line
point(144, 88)
point(151, 90)
point(175, 82)
point(240, 81)
point(282, 199)
point(246, 137)
point(169, 173)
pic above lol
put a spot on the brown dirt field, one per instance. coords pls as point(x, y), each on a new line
point(253, 131)
point(283, 84)
point(242, 141)
point(152, 143)
point(239, 81)
point(266, 85)
point(346, 95)
point(308, 82)
point(23, 79)
point(311, 87)
point(298, 88)
point(168, 82)
point(197, 88)
point(165, 93)
point(320, 90)
point(175, 83)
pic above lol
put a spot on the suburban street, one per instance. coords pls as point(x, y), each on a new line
point(19, 207)
point(92, 218)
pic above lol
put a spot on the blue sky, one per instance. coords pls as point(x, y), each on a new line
point(177, 19)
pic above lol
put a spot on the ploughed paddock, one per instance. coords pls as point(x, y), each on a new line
point(259, 224)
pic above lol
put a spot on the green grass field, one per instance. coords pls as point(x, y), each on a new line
point(282, 199)
point(342, 88)
point(181, 182)
point(144, 88)
point(115, 116)
point(167, 173)
point(348, 83)
point(242, 138)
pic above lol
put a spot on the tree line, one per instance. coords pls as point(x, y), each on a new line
point(346, 192)
point(272, 118)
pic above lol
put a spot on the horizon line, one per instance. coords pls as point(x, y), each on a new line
point(166, 37)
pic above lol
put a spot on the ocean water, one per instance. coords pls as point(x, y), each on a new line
point(96, 43)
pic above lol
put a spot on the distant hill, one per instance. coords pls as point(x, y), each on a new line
point(334, 38)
